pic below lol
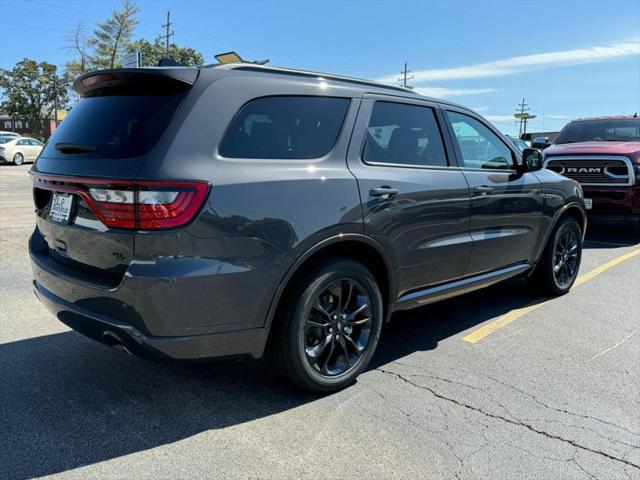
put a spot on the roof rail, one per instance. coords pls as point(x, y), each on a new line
point(309, 74)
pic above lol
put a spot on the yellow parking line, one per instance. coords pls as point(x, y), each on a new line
point(507, 318)
point(603, 268)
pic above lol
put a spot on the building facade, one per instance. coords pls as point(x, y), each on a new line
point(22, 127)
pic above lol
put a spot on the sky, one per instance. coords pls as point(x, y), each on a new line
point(567, 59)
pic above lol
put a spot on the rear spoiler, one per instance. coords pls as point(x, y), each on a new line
point(172, 78)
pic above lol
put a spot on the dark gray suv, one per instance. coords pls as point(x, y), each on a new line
point(242, 210)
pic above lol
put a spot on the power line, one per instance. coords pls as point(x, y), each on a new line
point(168, 33)
point(523, 115)
point(405, 78)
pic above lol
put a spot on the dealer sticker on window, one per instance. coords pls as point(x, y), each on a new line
point(60, 207)
point(588, 203)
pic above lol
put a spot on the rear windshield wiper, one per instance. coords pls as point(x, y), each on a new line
point(74, 148)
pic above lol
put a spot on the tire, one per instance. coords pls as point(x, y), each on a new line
point(559, 264)
point(18, 159)
point(324, 336)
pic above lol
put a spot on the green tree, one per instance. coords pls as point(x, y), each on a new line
point(153, 52)
point(112, 36)
point(30, 92)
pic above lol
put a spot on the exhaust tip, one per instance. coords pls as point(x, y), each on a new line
point(112, 340)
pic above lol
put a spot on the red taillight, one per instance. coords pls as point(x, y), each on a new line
point(135, 205)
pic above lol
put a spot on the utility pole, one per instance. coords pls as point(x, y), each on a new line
point(523, 115)
point(168, 33)
point(405, 76)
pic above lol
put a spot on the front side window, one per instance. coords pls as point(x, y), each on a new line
point(404, 134)
point(479, 146)
point(285, 128)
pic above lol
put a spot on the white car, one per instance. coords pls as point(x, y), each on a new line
point(9, 134)
point(19, 150)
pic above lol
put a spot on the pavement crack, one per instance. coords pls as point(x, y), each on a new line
point(556, 409)
point(515, 422)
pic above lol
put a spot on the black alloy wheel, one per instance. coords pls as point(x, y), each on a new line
point(566, 256)
point(338, 327)
point(557, 268)
point(327, 327)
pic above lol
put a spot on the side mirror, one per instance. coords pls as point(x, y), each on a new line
point(540, 142)
point(531, 159)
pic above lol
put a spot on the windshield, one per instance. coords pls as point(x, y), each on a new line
point(605, 130)
point(113, 126)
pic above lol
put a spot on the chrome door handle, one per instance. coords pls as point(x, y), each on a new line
point(483, 190)
point(383, 191)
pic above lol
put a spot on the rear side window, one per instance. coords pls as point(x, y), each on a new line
point(404, 134)
point(114, 126)
point(285, 128)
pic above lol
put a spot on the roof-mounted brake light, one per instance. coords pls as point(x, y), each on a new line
point(87, 82)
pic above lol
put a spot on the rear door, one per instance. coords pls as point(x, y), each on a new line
point(36, 148)
point(415, 202)
point(506, 205)
point(30, 149)
point(23, 147)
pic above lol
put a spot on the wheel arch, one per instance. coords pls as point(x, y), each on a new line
point(354, 246)
point(572, 209)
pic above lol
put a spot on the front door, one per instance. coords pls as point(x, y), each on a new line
point(414, 202)
point(506, 204)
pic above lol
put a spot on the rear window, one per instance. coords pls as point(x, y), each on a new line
point(114, 126)
point(285, 128)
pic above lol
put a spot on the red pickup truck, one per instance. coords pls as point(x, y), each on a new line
point(603, 155)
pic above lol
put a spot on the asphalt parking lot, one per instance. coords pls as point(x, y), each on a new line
point(496, 384)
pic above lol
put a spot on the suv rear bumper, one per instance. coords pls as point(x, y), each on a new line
point(249, 342)
point(614, 200)
point(181, 313)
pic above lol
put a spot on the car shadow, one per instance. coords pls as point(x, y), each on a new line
point(67, 402)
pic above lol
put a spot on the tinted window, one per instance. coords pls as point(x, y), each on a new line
point(116, 126)
point(285, 127)
point(605, 130)
point(479, 146)
point(404, 134)
point(22, 142)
